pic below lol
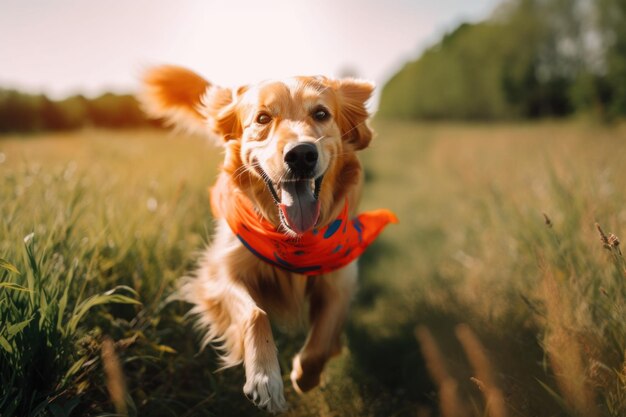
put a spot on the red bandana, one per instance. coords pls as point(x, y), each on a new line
point(313, 253)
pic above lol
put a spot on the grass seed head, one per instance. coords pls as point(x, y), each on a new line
point(603, 238)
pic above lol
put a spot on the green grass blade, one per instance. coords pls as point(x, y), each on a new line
point(557, 398)
point(18, 327)
point(14, 287)
point(43, 309)
point(74, 368)
point(4, 344)
point(121, 287)
point(31, 278)
point(64, 298)
point(94, 301)
point(6, 265)
point(62, 306)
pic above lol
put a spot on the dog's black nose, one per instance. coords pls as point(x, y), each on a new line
point(301, 158)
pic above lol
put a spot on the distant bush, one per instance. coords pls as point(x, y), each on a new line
point(532, 58)
point(21, 112)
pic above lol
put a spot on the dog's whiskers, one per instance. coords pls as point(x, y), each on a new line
point(239, 172)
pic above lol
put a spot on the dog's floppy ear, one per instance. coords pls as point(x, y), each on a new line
point(186, 100)
point(352, 97)
point(218, 107)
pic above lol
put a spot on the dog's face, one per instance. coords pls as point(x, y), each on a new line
point(290, 144)
point(290, 138)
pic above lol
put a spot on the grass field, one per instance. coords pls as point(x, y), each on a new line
point(495, 295)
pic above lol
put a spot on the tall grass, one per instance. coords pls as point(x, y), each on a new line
point(42, 363)
point(99, 230)
point(519, 300)
point(545, 299)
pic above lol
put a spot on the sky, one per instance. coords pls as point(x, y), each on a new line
point(64, 47)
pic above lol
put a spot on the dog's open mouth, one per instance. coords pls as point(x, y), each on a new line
point(297, 201)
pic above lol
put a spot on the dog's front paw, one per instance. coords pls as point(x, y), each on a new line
point(265, 390)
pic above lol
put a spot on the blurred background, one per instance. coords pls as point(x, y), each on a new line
point(70, 64)
point(500, 146)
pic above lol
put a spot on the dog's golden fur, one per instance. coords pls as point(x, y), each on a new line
point(232, 292)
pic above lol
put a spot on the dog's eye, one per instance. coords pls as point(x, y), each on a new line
point(320, 114)
point(263, 118)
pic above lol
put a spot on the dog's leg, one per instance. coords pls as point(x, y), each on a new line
point(230, 316)
point(264, 383)
point(329, 298)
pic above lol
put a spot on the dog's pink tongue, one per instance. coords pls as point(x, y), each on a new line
point(299, 206)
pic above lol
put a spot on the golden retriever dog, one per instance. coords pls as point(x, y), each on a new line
point(285, 202)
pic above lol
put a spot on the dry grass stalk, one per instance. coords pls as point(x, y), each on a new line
point(434, 359)
point(114, 377)
point(485, 378)
point(547, 220)
point(450, 403)
point(480, 384)
point(564, 351)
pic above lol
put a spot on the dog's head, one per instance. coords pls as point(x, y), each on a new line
point(290, 145)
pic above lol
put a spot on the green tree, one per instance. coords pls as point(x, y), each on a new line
point(612, 29)
point(531, 58)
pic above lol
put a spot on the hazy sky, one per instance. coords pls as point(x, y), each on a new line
point(62, 47)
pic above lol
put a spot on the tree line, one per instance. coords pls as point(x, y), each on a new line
point(530, 59)
point(21, 112)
